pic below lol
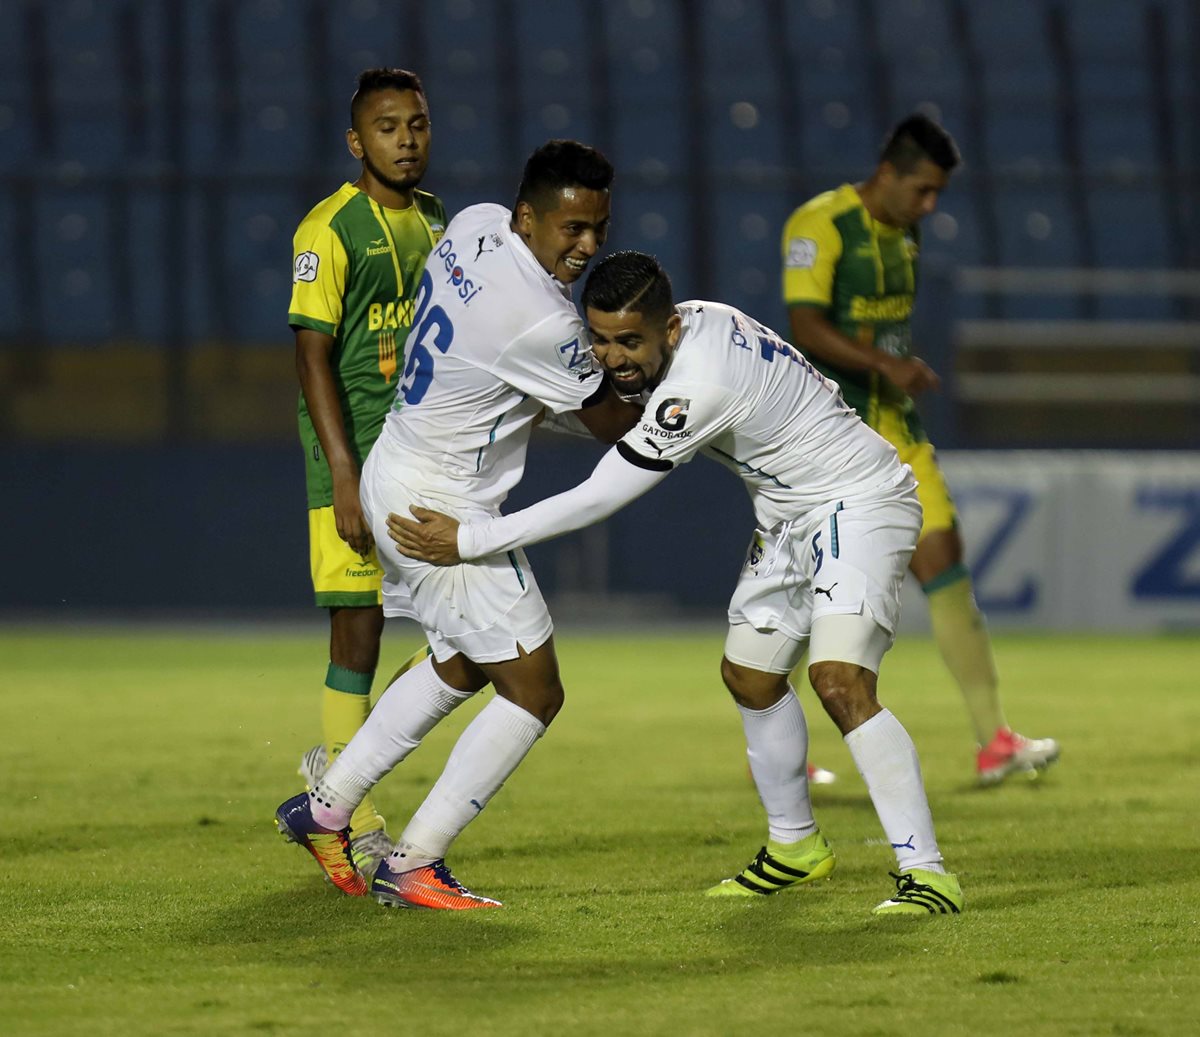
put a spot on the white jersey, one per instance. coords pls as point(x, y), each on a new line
point(740, 394)
point(494, 339)
point(734, 390)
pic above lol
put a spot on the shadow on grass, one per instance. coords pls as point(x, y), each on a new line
point(303, 924)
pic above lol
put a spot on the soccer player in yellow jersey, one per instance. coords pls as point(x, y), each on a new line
point(357, 263)
point(849, 281)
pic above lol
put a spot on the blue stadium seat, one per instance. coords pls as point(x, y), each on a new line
point(1037, 227)
point(76, 262)
point(903, 30)
point(86, 86)
point(924, 63)
point(645, 55)
point(474, 150)
point(1014, 30)
point(952, 232)
point(840, 139)
point(258, 227)
point(745, 136)
point(735, 48)
point(149, 213)
point(813, 27)
point(1107, 31)
point(746, 227)
point(656, 220)
point(1022, 138)
point(1129, 227)
point(10, 279)
point(270, 44)
point(554, 73)
point(16, 125)
point(651, 143)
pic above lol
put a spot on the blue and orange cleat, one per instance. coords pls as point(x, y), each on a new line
point(431, 886)
point(331, 849)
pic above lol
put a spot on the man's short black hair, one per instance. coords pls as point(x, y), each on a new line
point(631, 281)
point(558, 164)
point(919, 137)
point(373, 80)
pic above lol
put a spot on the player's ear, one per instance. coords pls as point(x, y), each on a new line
point(523, 216)
point(674, 329)
point(354, 144)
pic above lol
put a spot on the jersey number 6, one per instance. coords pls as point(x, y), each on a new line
point(435, 325)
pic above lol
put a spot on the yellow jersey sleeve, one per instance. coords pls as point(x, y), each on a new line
point(319, 268)
point(812, 247)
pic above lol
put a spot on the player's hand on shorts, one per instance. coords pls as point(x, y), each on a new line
point(911, 375)
point(348, 515)
point(429, 536)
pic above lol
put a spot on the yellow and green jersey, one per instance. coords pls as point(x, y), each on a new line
point(356, 268)
point(862, 275)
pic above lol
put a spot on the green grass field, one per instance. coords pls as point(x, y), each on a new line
point(145, 891)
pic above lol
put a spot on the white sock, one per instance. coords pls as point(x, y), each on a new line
point(887, 760)
point(777, 748)
point(405, 713)
point(486, 753)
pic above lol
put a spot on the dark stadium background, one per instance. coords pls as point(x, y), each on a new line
point(155, 158)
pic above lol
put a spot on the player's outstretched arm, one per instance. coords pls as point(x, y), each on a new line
point(614, 483)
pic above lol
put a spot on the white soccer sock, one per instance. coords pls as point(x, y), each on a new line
point(405, 713)
point(777, 748)
point(887, 760)
point(486, 753)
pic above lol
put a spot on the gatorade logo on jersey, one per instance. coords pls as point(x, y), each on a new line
point(672, 414)
point(669, 420)
point(306, 267)
point(467, 287)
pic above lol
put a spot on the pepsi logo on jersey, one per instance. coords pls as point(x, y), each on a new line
point(468, 287)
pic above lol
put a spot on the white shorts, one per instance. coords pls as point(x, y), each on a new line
point(857, 639)
point(844, 561)
point(484, 609)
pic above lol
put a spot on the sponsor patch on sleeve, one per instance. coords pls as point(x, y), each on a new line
point(801, 254)
point(672, 414)
point(575, 356)
point(306, 267)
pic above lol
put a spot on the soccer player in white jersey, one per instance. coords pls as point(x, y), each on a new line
point(496, 342)
point(837, 518)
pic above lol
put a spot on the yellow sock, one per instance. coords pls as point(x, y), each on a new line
point(961, 635)
point(345, 703)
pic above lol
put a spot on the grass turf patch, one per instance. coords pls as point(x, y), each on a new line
point(144, 889)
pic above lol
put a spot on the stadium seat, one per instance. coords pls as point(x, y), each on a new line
point(259, 224)
point(1037, 227)
point(77, 264)
point(11, 279)
point(952, 233)
point(746, 226)
point(656, 220)
point(1130, 227)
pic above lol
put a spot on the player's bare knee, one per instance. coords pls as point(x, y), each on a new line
point(543, 702)
point(847, 692)
point(354, 637)
point(753, 689)
point(460, 673)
